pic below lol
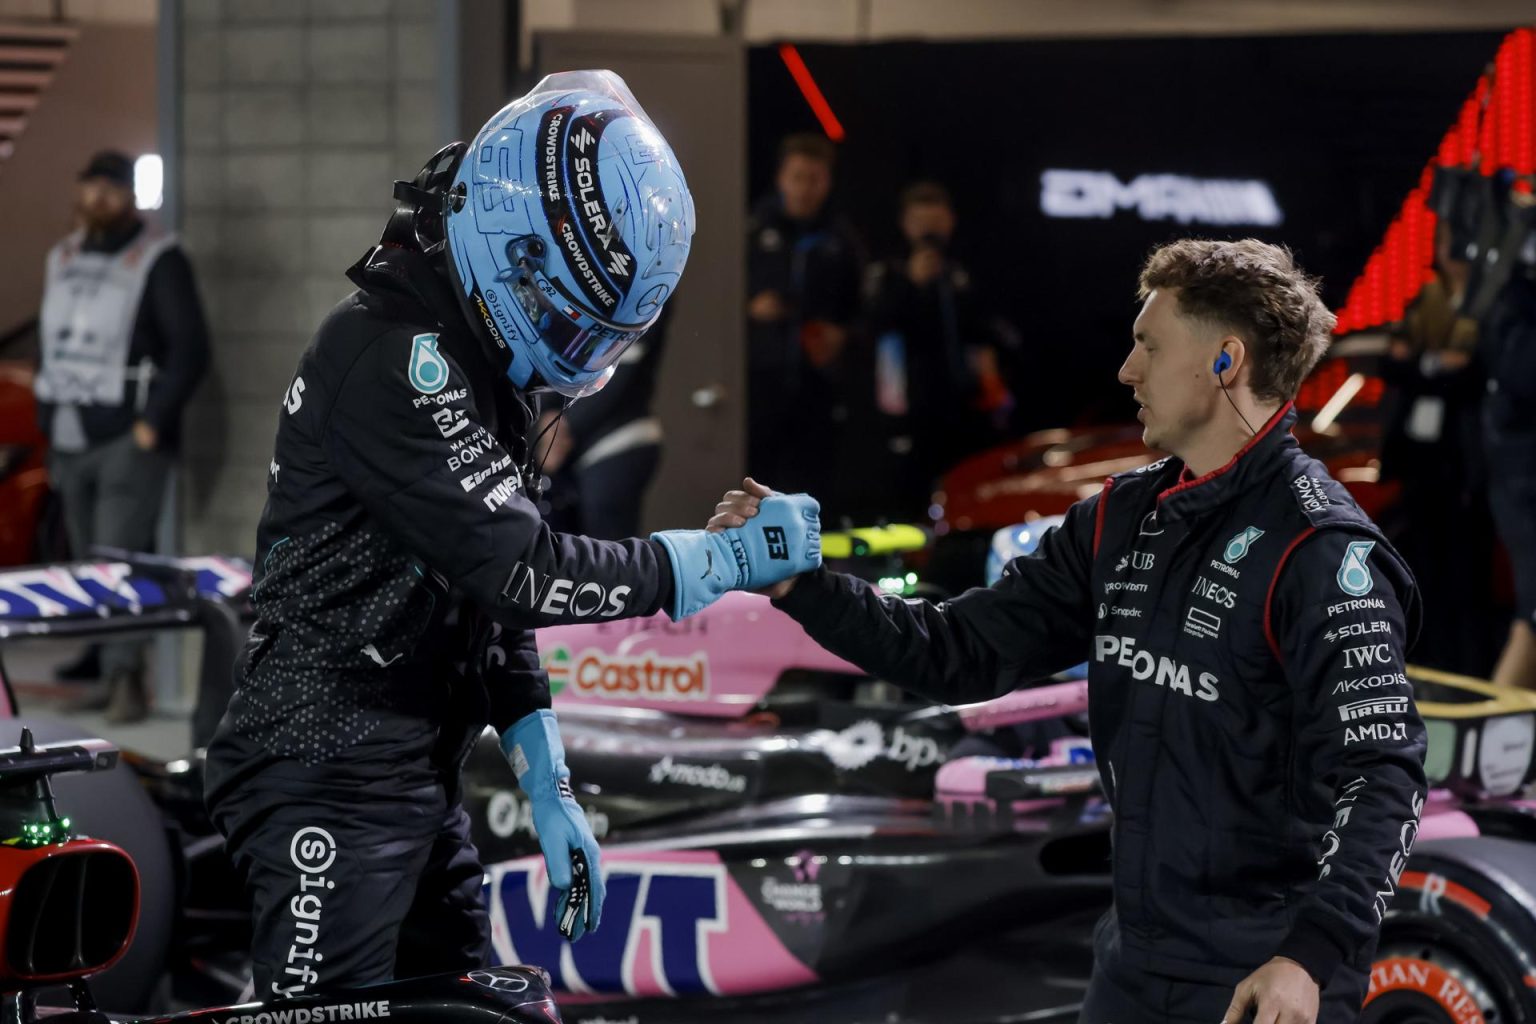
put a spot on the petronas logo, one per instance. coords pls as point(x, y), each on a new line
point(428, 370)
point(1237, 547)
point(1354, 575)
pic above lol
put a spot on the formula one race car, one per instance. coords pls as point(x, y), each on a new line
point(783, 835)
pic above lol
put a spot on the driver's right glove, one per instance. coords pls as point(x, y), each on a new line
point(782, 540)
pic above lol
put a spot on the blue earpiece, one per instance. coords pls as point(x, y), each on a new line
point(1222, 365)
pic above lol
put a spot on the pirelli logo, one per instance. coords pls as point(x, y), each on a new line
point(1359, 709)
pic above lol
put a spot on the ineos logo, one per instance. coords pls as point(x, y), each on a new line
point(313, 850)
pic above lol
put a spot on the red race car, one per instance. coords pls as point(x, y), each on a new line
point(28, 524)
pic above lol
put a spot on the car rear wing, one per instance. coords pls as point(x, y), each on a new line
point(126, 592)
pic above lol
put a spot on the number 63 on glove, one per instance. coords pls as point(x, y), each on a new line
point(782, 540)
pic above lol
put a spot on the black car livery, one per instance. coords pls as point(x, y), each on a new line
point(1255, 730)
point(401, 564)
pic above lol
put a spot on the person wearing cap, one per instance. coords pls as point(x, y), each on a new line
point(123, 344)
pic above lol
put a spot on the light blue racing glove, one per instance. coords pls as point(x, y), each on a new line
point(782, 540)
point(570, 851)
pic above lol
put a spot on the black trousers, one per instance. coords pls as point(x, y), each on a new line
point(1120, 995)
point(349, 890)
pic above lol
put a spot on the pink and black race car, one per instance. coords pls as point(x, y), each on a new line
point(783, 835)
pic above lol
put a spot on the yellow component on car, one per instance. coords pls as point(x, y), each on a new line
point(1477, 697)
point(873, 541)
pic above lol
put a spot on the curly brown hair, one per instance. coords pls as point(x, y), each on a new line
point(1256, 291)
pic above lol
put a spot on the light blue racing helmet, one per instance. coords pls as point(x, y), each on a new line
point(568, 228)
point(1013, 541)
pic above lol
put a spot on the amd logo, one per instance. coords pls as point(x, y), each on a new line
point(1099, 194)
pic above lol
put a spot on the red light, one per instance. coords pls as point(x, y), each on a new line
point(1496, 124)
point(812, 92)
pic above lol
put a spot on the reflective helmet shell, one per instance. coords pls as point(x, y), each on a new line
point(568, 226)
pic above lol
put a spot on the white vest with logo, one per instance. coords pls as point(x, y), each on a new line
point(90, 304)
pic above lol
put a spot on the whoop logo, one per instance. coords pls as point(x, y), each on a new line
point(312, 850)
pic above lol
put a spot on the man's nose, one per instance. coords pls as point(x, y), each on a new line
point(1127, 374)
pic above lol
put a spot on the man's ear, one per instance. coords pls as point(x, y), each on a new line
point(1237, 356)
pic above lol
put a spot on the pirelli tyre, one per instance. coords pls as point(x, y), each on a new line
point(1458, 942)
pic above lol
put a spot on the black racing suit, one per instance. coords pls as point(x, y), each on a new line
point(400, 567)
point(1255, 732)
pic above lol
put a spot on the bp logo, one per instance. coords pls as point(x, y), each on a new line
point(428, 370)
point(1237, 547)
point(1354, 575)
point(558, 664)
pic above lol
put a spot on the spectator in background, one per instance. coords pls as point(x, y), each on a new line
point(1433, 448)
point(936, 388)
point(803, 269)
point(1507, 347)
point(123, 344)
point(605, 450)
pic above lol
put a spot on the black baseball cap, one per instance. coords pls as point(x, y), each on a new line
point(111, 164)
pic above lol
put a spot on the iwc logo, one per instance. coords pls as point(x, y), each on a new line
point(428, 370)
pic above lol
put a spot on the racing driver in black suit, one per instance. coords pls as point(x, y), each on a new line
point(401, 561)
point(1244, 624)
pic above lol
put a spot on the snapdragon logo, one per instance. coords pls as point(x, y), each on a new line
point(1157, 197)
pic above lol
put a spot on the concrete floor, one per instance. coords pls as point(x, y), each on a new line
point(30, 665)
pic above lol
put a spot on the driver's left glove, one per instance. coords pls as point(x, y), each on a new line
point(570, 851)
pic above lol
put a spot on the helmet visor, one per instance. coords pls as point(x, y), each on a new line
point(580, 342)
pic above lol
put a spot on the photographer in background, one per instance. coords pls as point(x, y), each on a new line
point(935, 383)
